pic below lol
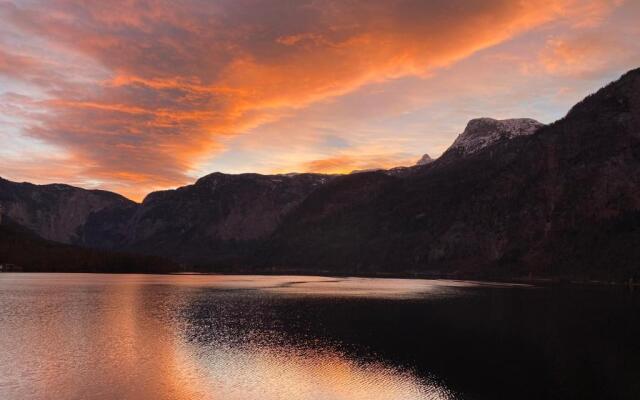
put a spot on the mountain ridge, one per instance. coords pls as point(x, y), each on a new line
point(517, 207)
point(525, 198)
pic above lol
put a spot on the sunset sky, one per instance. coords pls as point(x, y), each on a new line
point(134, 96)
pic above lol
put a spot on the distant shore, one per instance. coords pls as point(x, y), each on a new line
point(541, 281)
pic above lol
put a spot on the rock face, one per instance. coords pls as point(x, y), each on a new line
point(483, 132)
point(57, 212)
point(219, 217)
point(426, 159)
point(509, 198)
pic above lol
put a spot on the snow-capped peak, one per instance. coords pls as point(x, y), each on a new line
point(481, 132)
point(426, 159)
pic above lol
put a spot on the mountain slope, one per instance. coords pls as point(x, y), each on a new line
point(27, 252)
point(516, 207)
point(508, 198)
point(220, 217)
point(58, 212)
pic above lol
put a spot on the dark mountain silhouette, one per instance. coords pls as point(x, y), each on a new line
point(563, 201)
point(513, 198)
point(61, 212)
point(23, 251)
point(221, 217)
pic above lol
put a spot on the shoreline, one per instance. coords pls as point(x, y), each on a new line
point(541, 282)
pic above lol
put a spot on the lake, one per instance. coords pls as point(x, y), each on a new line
point(85, 336)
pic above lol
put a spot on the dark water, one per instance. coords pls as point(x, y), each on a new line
point(247, 337)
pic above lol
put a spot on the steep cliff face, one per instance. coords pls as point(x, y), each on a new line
point(57, 212)
point(560, 200)
point(218, 217)
point(483, 132)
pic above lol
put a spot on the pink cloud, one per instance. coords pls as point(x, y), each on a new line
point(164, 83)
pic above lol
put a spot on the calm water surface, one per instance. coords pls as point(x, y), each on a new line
point(77, 336)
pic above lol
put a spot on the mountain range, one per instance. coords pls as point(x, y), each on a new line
point(509, 198)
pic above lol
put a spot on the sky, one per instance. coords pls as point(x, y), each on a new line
point(134, 96)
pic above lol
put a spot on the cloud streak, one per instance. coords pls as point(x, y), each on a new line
point(138, 95)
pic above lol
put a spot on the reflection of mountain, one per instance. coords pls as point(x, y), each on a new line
point(486, 342)
point(509, 198)
point(172, 337)
point(179, 337)
point(248, 339)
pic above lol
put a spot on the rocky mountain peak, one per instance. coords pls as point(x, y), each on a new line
point(426, 159)
point(482, 132)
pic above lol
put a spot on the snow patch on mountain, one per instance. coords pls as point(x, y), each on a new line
point(426, 159)
point(482, 132)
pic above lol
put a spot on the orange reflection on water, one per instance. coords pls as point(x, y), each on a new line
point(127, 337)
point(274, 373)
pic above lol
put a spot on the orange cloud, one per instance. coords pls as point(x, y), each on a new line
point(168, 81)
point(587, 14)
point(580, 55)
